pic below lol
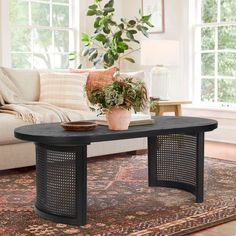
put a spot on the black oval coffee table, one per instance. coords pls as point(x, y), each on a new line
point(175, 159)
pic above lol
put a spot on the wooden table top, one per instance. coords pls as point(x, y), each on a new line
point(171, 102)
point(53, 133)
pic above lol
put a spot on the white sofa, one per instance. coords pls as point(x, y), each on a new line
point(16, 153)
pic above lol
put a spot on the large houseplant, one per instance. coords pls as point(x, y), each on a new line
point(112, 40)
point(117, 99)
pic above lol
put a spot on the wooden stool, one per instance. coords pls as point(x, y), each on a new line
point(160, 107)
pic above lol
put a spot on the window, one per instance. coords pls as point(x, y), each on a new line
point(215, 63)
point(42, 33)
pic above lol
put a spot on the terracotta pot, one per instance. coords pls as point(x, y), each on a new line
point(118, 118)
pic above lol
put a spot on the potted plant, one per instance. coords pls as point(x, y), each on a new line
point(117, 99)
point(113, 40)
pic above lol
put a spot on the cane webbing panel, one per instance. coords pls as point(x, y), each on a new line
point(56, 182)
point(176, 158)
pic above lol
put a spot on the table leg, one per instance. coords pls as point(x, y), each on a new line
point(152, 161)
point(61, 183)
point(178, 110)
point(200, 168)
point(161, 111)
point(177, 160)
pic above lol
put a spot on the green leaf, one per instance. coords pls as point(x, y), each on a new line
point(109, 9)
point(79, 66)
point(130, 59)
point(85, 51)
point(93, 7)
point(116, 56)
point(149, 24)
point(72, 56)
point(108, 59)
point(109, 4)
point(99, 60)
point(140, 28)
point(117, 34)
point(121, 26)
point(106, 43)
point(93, 54)
point(100, 37)
point(146, 18)
point(126, 40)
point(132, 23)
point(91, 12)
point(133, 31)
point(120, 50)
point(130, 36)
point(123, 45)
point(143, 29)
point(123, 20)
point(111, 22)
point(99, 29)
point(144, 32)
point(85, 38)
point(97, 22)
point(99, 13)
point(106, 30)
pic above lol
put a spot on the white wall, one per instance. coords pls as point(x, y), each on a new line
point(226, 131)
point(1, 35)
point(176, 28)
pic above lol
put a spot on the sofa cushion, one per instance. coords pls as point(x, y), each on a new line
point(27, 81)
point(64, 90)
point(139, 76)
point(8, 124)
point(97, 77)
point(9, 93)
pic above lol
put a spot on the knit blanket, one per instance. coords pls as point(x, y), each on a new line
point(12, 102)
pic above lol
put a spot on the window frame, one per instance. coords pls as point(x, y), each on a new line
point(198, 51)
point(5, 46)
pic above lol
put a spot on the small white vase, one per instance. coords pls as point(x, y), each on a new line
point(118, 118)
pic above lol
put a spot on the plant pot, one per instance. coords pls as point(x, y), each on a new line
point(118, 118)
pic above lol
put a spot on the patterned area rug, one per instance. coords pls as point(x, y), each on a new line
point(121, 203)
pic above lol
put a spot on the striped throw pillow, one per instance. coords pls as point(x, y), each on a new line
point(64, 90)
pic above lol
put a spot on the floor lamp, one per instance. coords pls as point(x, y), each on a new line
point(161, 54)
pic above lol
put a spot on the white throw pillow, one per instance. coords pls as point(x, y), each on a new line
point(9, 92)
point(137, 75)
point(64, 90)
point(140, 75)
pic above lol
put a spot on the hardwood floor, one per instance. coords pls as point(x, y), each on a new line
point(228, 229)
point(220, 150)
point(226, 152)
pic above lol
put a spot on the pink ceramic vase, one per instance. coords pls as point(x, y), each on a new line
point(118, 118)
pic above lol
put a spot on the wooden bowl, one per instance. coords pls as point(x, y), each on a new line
point(79, 125)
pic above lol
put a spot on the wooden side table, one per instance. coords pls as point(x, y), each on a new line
point(161, 107)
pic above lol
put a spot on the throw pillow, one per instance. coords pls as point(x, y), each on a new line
point(97, 77)
point(64, 90)
point(137, 75)
point(9, 92)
